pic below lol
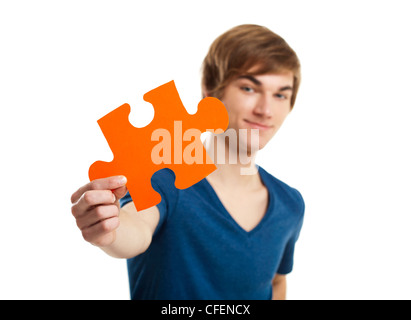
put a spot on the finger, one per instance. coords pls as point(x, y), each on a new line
point(120, 192)
point(98, 230)
point(109, 183)
point(92, 198)
point(96, 215)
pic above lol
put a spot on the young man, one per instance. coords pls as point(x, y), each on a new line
point(231, 235)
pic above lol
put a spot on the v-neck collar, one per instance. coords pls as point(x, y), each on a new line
point(224, 210)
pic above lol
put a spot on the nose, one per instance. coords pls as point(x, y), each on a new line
point(264, 106)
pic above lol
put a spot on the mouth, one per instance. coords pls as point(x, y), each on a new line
point(258, 125)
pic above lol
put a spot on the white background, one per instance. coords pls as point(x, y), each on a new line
point(345, 146)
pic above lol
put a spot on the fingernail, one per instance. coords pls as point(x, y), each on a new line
point(123, 180)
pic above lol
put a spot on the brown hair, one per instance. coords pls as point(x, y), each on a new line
point(243, 47)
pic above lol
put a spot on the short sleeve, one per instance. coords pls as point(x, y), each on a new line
point(287, 261)
point(163, 182)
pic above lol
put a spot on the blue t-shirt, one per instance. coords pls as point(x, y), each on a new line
point(198, 251)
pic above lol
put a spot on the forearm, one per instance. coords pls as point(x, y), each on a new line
point(131, 238)
point(279, 288)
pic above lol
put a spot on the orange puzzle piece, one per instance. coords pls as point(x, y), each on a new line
point(133, 147)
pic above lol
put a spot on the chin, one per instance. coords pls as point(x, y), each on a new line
point(263, 141)
point(262, 145)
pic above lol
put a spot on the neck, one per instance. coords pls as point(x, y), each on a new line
point(235, 167)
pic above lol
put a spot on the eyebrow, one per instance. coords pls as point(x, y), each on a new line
point(258, 83)
point(251, 78)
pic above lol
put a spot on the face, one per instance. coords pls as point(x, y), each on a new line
point(259, 102)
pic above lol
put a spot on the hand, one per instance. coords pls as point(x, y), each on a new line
point(96, 209)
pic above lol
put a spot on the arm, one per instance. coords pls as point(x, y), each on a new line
point(134, 233)
point(279, 287)
point(121, 233)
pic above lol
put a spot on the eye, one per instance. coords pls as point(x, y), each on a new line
point(281, 96)
point(247, 89)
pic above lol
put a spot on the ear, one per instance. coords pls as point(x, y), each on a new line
point(204, 91)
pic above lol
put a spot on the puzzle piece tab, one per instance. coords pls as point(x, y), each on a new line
point(132, 147)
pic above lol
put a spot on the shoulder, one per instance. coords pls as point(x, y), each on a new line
point(285, 194)
point(163, 178)
point(162, 181)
